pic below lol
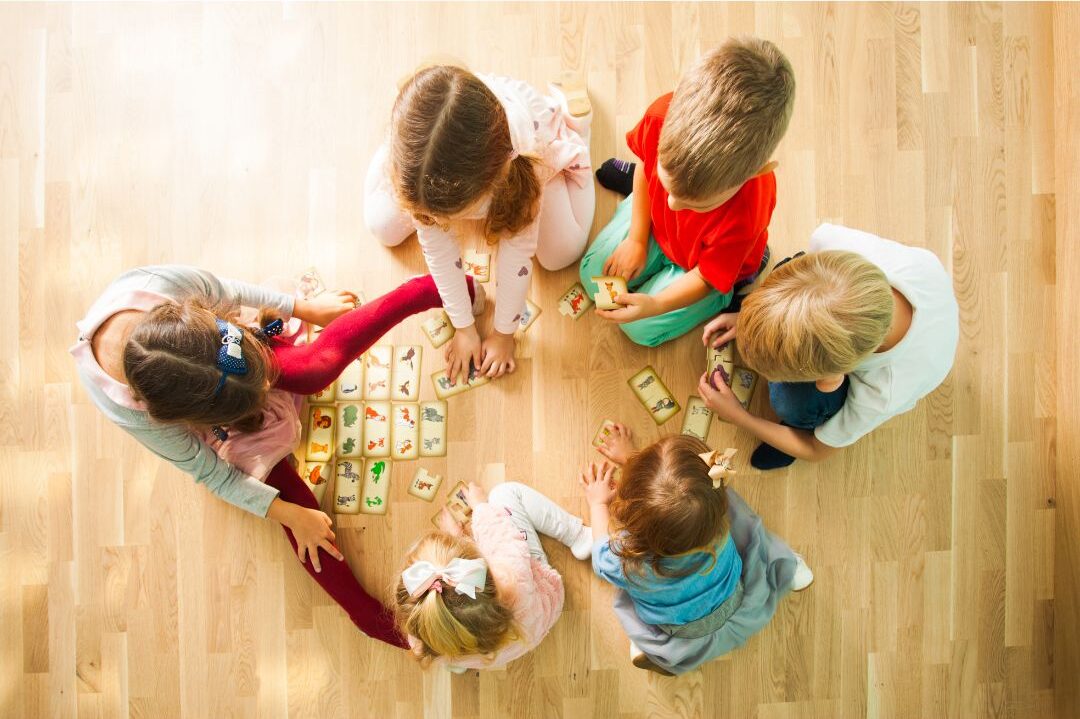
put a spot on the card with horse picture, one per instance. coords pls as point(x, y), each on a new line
point(376, 486)
point(438, 329)
point(405, 379)
point(654, 395)
point(320, 439)
point(405, 431)
point(347, 486)
point(433, 429)
point(377, 369)
point(574, 302)
point(350, 429)
point(607, 289)
point(377, 429)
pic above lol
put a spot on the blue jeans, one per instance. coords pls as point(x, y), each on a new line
point(803, 406)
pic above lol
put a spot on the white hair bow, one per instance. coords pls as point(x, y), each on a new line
point(466, 576)
point(720, 465)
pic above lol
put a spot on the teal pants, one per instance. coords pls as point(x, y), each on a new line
point(659, 272)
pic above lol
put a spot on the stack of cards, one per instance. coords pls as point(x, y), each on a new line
point(405, 379)
point(445, 387)
point(743, 382)
point(350, 384)
point(405, 431)
point(374, 498)
point(320, 440)
point(652, 393)
point(316, 474)
point(350, 430)
point(438, 329)
point(377, 429)
point(698, 418)
point(723, 359)
point(601, 434)
point(532, 311)
point(574, 302)
point(347, 486)
point(478, 264)
point(425, 484)
point(433, 429)
point(377, 372)
point(608, 288)
point(457, 504)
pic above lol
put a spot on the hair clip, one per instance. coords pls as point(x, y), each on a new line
point(230, 358)
point(271, 329)
point(720, 465)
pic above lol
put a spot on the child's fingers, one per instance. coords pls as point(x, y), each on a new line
point(301, 553)
point(330, 549)
point(313, 552)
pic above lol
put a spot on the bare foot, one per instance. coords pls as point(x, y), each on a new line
point(618, 446)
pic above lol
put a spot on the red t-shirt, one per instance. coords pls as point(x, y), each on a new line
point(727, 243)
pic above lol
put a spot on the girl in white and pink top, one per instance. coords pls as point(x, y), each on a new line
point(475, 158)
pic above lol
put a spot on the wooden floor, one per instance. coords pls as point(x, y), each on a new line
point(236, 138)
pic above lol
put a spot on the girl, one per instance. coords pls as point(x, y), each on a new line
point(160, 356)
point(484, 601)
point(491, 158)
point(698, 573)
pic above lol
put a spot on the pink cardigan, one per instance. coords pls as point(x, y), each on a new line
point(533, 587)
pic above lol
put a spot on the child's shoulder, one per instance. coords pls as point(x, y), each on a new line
point(658, 109)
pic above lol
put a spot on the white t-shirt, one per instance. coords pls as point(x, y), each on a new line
point(890, 383)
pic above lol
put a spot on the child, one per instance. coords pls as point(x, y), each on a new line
point(480, 157)
point(849, 335)
point(159, 355)
point(698, 574)
point(484, 601)
point(695, 225)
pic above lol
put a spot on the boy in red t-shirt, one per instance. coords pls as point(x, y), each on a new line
point(696, 221)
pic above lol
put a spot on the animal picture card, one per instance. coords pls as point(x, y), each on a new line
point(377, 429)
point(316, 475)
point(446, 387)
point(532, 311)
point(425, 484)
point(320, 439)
point(350, 384)
point(601, 434)
point(323, 396)
point(309, 284)
point(608, 288)
point(651, 392)
point(574, 302)
point(350, 429)
point(743, 382)
point(478, 264)
point(405, 379)
point(374, 498)
point(433, 429)
point(377, 363)
point(405, 431)
point(723, 359)
point(438, 329)
point(347, 486)
point(698, 418)
point(458, 504)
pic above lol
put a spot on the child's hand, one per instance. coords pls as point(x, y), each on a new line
point(475, 494)
point(311, 530)
point(448, 524)
point(719, 397)
point(618, 446)
point(638, 306)
point(498, 355)
point(463, 346)
point(326, 307)
point(628, 259)
point(598, 479)
point(721, 330)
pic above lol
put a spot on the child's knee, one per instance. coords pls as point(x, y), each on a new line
point(505, 493)
point(643, 333)
point(387, 227)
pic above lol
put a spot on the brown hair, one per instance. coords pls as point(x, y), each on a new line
point(666, 506)
point(170, 362)
point(447, 623)
point(450, 145)
point(727, 116)
point(818, 315)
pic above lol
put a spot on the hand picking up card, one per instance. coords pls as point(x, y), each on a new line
point(608, 288)
point(446, 387)
point(574, 302)
point(722, 358)
point(652, 393)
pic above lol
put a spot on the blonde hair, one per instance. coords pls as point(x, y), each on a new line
point(727, 116)
point(450, 145)
point(447, 623)
point(818, 315)
point(666, 506)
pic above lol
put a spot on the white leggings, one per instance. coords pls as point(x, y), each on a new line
point(535, 514)
point(566, 215)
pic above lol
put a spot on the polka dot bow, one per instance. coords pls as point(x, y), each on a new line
point(230, 358)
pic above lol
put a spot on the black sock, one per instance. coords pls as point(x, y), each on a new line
point(617, 175)
point(767, 457)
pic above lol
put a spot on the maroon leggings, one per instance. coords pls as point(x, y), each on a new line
point(306, 369)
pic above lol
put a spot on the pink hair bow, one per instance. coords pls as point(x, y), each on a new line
point(466, 576)
point(720, 465)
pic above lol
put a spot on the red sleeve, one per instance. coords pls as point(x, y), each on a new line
point(644, 139)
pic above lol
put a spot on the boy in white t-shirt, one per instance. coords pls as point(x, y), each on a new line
point(849, 335)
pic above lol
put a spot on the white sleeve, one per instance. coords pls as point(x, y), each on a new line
point(443, 255)
point(179, 281)
point(514, 273)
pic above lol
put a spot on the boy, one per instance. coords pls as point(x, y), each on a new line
point(851, 334)
point(695, 223)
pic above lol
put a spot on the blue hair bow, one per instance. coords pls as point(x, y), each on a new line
point(273, 329)
point(230, 358)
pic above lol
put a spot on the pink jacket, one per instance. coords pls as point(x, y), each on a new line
point(535, 588)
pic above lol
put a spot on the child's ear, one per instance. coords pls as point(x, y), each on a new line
point(767, 168)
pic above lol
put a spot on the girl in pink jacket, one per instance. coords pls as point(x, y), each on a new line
point(480, 602)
